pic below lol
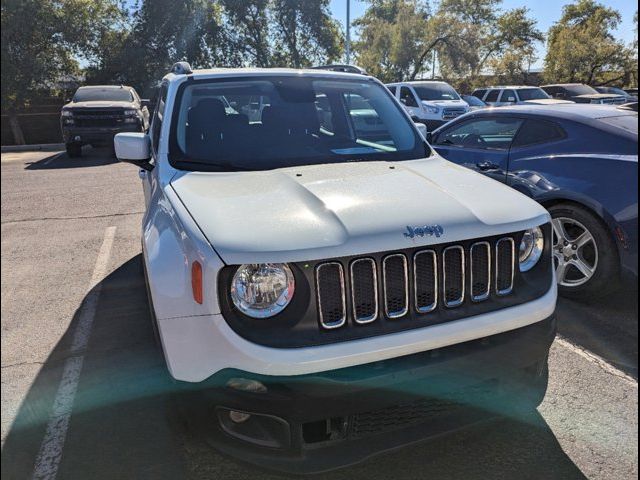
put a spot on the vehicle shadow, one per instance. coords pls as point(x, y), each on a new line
point(91, 157)
point(122, 424)
point(606, 326)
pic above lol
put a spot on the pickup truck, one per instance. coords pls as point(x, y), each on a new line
point(96, 113)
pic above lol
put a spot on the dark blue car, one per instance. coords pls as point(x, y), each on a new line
point(581, 163)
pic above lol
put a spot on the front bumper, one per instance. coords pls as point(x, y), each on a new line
point(331, 419)
point(96, 134)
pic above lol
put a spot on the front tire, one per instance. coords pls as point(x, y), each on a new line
point(584, 253)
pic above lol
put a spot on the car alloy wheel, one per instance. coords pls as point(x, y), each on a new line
point(575, 252)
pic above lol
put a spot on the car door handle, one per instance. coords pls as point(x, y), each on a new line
point(142, 173)
point(487, 166)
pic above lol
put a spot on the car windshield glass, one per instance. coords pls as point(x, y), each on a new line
point(532, 94)
point(617, 91)
point(473, 101)
point(626, 122)
point(283, 121)
point(102, 94)
point(580, 90)
point(436, 91)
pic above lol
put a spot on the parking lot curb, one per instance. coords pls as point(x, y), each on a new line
point(31, 148)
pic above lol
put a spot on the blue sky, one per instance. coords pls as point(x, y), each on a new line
point(545, 11)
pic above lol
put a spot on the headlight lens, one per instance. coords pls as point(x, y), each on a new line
point(131, 113)
point(431, 109)
point(262, 290)
point(67, 113)
point(531, 248)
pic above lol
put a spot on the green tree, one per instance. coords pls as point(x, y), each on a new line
point(581, 46)
point(42, 41)
point(304, 33)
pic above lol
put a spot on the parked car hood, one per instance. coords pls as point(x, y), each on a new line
point(597, 96)
point(325, 211)
point(445, 103)
point(98, 104)
point(546, 101)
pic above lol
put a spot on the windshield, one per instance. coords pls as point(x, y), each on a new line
point(532, 94)
point(580, 90)
point(436, 91)
point(273, 122)
point(473, 101)
point(95, 94)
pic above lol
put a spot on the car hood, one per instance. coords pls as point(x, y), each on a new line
point(546, 101)
point(97, 104)
point(597, 96)
point(325, 211)
point(445, 103)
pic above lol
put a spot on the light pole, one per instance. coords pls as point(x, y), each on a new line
point(347, 47)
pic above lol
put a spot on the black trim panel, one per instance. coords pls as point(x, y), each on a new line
point(298, 326)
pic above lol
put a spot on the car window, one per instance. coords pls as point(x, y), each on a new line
point(96, 94)
point(492, 96)
point(158, 114)
point(303, 121)
point(507, 95)
point(473, 101)
point(392, 89)
point(532, 94)
point(479, 93)
point(406, 97)
point(494, 134)
point(538, 131)
point(435, 91)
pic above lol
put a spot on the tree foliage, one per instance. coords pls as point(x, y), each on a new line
point(399, 39)
point(581, 46)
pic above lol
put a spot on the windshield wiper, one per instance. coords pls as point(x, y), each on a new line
point(222, 167)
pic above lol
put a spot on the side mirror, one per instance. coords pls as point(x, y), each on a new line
point(422, 128)
point(135, 148)
point(145, 102)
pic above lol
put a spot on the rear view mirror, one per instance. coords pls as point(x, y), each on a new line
point(133, 148)
point(511, 99)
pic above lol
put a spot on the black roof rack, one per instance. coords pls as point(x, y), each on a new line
point(181, 68)
point(342, 68)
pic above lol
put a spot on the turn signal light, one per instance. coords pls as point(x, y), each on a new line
point(196, 281)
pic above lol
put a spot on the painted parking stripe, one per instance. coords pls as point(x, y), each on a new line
point(50, 453)
point(597, 360)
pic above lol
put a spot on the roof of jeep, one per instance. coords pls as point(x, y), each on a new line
point(104, 87)
point(258, 72)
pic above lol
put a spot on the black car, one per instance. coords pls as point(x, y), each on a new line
point(96, 113)
point(618, 91)
point(581, 93)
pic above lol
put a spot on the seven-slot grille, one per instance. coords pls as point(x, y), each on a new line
point(420, 282)
point(98, 117)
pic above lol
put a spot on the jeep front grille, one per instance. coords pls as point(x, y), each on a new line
point(420, 282)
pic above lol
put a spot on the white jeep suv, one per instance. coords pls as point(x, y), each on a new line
point(431, 102)
point(325, 291)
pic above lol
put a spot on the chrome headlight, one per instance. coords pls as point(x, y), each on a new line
point(67, 113)
point(431, 110)
point(531, 248)
point(262, 290)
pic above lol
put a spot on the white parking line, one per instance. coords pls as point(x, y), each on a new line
point(599, 361)
point(50, 453)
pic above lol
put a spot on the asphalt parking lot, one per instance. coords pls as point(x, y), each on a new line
point(71, 263)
